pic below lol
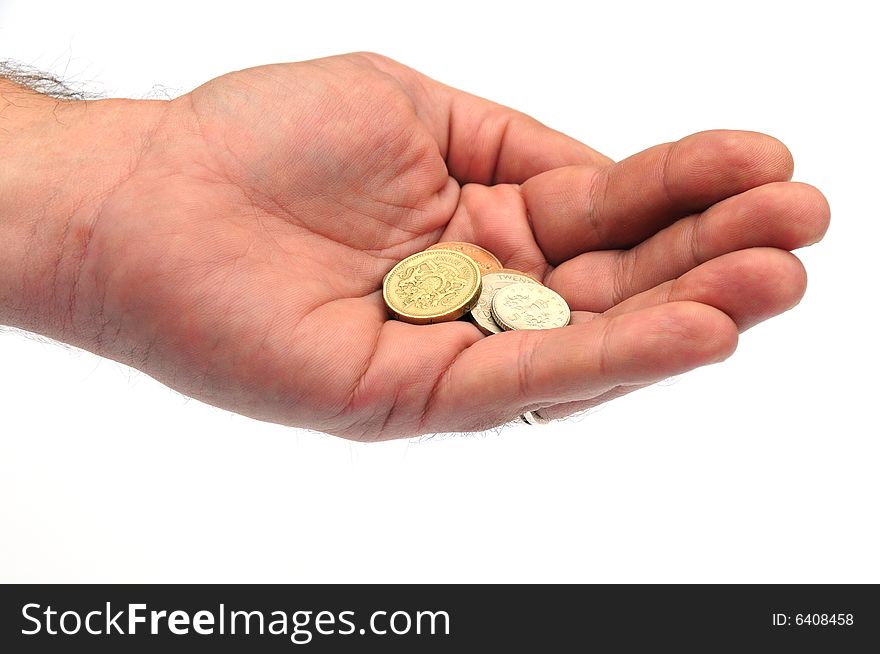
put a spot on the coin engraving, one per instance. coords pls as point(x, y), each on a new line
point(492, 282)
point(429, 285)
point(513, 271)
point(485, 260)
point(432, 286)
point(529, 306)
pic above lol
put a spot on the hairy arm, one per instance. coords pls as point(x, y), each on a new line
point(60, 157)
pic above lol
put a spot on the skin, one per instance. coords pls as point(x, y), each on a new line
point(231, 243)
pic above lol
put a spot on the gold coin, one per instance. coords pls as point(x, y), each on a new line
point(487, 261)
point(432, 286)
point(492, 282)
point(529, 306)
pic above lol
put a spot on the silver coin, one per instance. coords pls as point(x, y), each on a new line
point(492, 282)
point(529, 306)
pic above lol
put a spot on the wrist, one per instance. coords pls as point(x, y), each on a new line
point(59, 162)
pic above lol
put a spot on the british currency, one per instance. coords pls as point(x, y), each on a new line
point(432, 286)
point(492, 282)
point(487, 261)
point(448, 280)
point(529, 306)
point(520, 272)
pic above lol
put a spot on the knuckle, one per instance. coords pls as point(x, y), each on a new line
point(623, 279)
point(598, 191)
point(528, 381)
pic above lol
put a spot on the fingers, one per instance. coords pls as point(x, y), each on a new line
point(781, 215)
point(497, 378)
point(581, 208)
point(750, 286)
point(482, 141)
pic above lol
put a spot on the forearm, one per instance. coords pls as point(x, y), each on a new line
point(26, 224)
point(58, 162)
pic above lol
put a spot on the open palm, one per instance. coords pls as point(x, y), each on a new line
point(240, 259)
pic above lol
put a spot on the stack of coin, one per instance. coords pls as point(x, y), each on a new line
point(451, 280)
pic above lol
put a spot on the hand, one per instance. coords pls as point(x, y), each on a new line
point(235, 246)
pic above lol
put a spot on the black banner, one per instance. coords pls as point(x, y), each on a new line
point(412, 618)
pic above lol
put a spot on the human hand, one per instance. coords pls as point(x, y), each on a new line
point(232, 242)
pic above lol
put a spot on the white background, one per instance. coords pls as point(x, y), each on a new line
point(760, 469)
